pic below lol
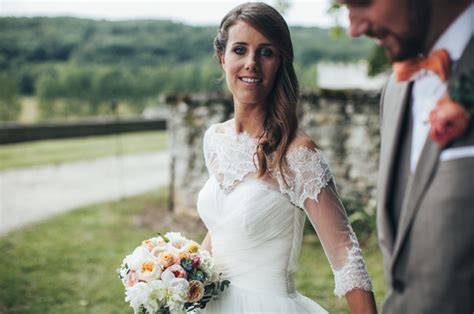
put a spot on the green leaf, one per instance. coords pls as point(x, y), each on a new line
point(163, 236)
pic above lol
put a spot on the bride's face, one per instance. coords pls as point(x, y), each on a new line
point(250, 62)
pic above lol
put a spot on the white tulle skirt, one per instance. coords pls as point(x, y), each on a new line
point(239, 300)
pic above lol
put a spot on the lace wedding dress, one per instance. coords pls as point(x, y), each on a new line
point(256, 226)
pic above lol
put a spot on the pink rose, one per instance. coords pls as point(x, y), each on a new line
point(132, 279)
point(196, 261)
point(448, 120)
point(178, 271)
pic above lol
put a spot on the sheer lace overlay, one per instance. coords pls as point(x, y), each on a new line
point(354, 273)
point(229, 156)
point(306, 183)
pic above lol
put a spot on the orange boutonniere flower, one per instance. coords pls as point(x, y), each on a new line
point(450, 118)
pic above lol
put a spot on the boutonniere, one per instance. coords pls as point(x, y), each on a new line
point(450, 117)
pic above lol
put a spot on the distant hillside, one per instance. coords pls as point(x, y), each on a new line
point(142, 43)
point(95, 61)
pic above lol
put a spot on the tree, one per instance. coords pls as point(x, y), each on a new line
point(378, 61)
point(10, 108)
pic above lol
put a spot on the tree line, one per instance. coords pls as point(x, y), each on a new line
point(78, 66)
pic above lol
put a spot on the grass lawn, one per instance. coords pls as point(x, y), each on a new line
point(67, 264)
point(315, 280)
point(64, 150)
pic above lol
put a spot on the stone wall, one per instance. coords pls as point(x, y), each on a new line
point(344, 124)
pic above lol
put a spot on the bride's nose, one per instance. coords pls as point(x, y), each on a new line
point(251, 62)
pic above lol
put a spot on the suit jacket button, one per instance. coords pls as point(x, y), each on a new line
point(398, 285)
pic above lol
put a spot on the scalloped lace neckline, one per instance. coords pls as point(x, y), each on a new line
point(241, 137)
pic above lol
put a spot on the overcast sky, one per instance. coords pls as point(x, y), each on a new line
point(195, 12)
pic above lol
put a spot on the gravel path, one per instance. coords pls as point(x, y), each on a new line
point(31, 194)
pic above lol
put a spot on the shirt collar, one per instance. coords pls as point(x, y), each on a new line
point(456, 37)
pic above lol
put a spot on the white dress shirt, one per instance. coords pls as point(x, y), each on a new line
point(428, 88)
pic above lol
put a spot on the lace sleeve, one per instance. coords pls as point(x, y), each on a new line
point(310, 186)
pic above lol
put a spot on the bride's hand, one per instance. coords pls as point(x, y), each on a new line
point(361, 302)
point(206, 243)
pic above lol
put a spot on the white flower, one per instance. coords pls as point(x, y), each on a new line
point(136, 259)
point(170, 291)
point(178, 289)
point(207, 263)
point(162, 247)
point(160, 290)
point(149, 270)
point(140, 294)
point(167, 276)
point(176, 239)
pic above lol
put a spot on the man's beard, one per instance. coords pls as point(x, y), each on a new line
point(413, 44)
point(410, 47)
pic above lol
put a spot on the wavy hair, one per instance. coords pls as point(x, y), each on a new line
point(280, 116)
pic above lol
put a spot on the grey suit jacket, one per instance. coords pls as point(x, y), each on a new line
point(429, 260)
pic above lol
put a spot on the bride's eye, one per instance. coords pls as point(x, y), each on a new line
point(266, 52)
point(239, 50)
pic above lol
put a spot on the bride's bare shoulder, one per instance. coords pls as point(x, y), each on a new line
point(302, 139)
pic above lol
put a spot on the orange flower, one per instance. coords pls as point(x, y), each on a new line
point(448, 119)
point(166, 259)
point(182, 255)
point(147, 266)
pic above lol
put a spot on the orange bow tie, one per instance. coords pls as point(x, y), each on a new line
point(438, 62)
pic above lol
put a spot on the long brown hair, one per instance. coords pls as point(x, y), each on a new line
point(280, 122)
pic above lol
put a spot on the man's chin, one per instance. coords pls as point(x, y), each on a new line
point(400, 53)
point(398, 48)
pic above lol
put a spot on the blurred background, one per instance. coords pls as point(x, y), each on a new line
point(103, 105)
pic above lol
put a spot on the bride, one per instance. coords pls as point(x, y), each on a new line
point(266, 176)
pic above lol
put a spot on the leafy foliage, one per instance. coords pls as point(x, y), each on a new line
point(378, 61)
point(9, 105)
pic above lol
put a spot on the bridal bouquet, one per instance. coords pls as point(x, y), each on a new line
point(169, 274)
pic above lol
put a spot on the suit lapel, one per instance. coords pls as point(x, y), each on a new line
point(427, 163)
point(417, 185)
point(396, 99)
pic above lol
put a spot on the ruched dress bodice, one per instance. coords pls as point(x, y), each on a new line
point(257, 236)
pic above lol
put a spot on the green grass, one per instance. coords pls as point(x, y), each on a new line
point(64, 150)
point(315, 280)
point(67, 264)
